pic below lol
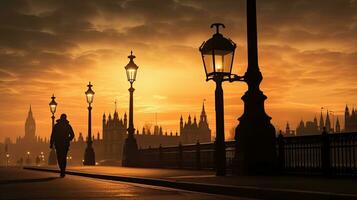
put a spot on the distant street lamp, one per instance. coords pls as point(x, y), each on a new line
point(69, 159)
point(42, 156)
point(89, 155)
point(130, 146)
point(28, 161)
point(217, 56)
point(53, 106)
point(255, 135)
point(7, 159)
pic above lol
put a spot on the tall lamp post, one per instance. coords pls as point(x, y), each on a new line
point(130, 146)
point(53, 106)
point(89, 156)
point(217, 56)
point(255, 135)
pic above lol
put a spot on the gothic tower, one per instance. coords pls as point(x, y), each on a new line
point(338, 128)
point(104, 122)
point(315, 122)
point(30, 127)
point(287, 129)
point(328, 123)
point(347, 118)
point(321, 125)
point(203, 116)
point(194, 130)
point(181, 125)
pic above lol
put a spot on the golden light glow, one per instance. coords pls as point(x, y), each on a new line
point(218, 60)
point(53, 108)
point(304, 64)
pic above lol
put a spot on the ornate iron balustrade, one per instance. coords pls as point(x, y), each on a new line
point(328, 154)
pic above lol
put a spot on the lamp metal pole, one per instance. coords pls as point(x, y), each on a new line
point(255, 135)
point(131, 129)
point(220, 157)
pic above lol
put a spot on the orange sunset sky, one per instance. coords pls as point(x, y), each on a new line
point(307, 54)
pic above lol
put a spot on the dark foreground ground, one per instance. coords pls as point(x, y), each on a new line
point(16, 183)
point(258, 187)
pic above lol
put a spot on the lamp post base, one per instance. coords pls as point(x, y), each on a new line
point(130, 152)
point(255, 138)
point(89, 156)
point(52, 158)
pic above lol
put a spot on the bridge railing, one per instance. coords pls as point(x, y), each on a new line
point(328, 154)
point(189, 156)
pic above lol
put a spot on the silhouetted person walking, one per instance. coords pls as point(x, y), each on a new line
point(62, 134)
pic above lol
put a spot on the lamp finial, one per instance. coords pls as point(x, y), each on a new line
point(217, 25)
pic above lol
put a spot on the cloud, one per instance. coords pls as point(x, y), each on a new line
point(307, 52)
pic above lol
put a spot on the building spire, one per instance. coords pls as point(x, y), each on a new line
point(338, 127)
point(30, 110)
point(203, 116)
point(322, 124)
point(328, 123)
point(287, 129)
point(30, 126)
point(115, 102)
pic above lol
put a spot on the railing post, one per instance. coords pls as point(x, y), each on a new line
point(214, 155)
point(140, 158)
point(149, 162)
point(281, 149)
point(325, 153)
point(198, 155)
point(180, 153)
point(160, 157)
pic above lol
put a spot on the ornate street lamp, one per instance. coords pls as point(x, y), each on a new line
point(131, 69)
point(217, 56)
point(52, 160)
point(53, 106)
point(130, 146)
point(89, 155)
point(255, 135)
